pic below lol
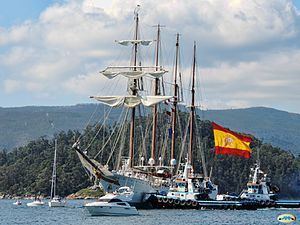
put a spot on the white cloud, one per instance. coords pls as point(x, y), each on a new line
point(248, 50)
point(11, 86)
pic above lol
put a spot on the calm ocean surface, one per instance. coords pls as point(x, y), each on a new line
point(75, 214)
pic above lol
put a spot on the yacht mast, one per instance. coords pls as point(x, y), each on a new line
point(53, 181)
point(174, 110)
point(192, 112)
point(133, 90)
point(156, 92)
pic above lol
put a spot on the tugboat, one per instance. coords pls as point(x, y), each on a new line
point(259, 188)
point(190, 191)
point(187, 189)
point(189, 186)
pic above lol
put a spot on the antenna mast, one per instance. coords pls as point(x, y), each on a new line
point(192, 112)
point(174, 110)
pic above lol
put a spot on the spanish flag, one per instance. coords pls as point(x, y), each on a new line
point(228, 142)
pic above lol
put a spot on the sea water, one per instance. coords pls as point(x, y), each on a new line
point(75, 214)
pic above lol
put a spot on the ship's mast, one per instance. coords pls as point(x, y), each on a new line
point(156, 92)
point(133, 90)
point(174, 110)
point(53, 182)
point(192, 112)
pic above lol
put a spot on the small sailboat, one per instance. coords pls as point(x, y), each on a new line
point(36, 202)
point(113, 204)
point(55, 201)
point(18, 202)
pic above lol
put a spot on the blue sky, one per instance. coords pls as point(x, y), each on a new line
point(297, 3)
point(14, 12)
point(249, 53)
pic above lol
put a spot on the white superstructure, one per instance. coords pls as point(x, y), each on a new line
point(258, 188)
point(189, 186)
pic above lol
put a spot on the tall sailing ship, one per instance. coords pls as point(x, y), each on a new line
point(154, 178)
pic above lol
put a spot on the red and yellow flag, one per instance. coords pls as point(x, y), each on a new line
point(228, 142)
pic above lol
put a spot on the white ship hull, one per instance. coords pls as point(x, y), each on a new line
point(55, 203)
point(35, 203)
point(141, 188)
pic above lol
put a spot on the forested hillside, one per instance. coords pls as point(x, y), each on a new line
point(28, 169)
point(22, 124)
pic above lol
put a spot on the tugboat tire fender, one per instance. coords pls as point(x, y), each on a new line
point(194, 203)
point(177, 201)
point(170, 200)
point(188, 202)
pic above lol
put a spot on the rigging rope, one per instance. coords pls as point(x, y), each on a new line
point(89, 120)
point(104, 120)
point(118, 137)
point(183, 146)
point(109, 136)
point(118, 163)
point(201, 149)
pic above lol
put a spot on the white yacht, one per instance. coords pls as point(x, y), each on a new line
point(18, 202)
point(36, 202)
point(110, 207)
point(113, 204)
point(56, 202)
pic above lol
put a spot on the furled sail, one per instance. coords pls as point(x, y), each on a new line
point(133, 74)
point(95, 168)
point(131, 101)
point(142, 42)
point(128, 74)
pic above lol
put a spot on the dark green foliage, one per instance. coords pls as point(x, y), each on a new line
point(28, 169)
